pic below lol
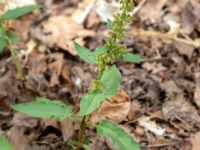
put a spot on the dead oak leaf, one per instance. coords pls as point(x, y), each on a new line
point(60, 31)
point(115, 109)
point(178, 108)
point(146, 13)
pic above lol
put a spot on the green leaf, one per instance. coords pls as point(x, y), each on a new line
point(44, 108)
point(73, 144)
point(129, 57)
point(20, 11)
point(13, 37)
point(85, 54)
point(109, 24)
point(118, 136)
point(2, 32)
point(86, 147)
point(2, 44)
point(4, 144)
point(111, 80)
point(99, 50)
point(92, 100)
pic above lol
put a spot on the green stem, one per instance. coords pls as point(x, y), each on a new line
point(14, 57)
point(81, 134)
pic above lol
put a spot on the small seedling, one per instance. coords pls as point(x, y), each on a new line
point(104, 87)
point(6, 35)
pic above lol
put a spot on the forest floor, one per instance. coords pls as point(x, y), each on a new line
point(164, 90)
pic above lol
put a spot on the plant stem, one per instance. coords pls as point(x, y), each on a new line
point(81, 134)
point(16, 62)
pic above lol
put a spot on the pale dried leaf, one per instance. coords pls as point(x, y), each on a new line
point(80, 14)
point(147, 12)
point(177, 106)
point(170, 87)
point(12, 4)
point(104, 10)
point(184, 49)
point(60, 32)
point(195, 140)
point(20, 119)
point(151, 126)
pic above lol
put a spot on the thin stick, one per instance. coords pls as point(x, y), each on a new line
point(166, 36)
point(159, 145)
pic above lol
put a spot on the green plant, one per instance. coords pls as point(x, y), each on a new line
point(6, 35)
point(106, 86)
point(5, 145)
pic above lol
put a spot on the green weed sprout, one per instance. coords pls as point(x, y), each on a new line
point(104, 87)
point(6, 35)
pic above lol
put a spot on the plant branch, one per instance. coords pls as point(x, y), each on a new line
point(81, 134)
point(14, 57)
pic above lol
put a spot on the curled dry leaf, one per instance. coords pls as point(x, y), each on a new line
point(36, 82)
point(67, 129)
point(60, 31)
point(115, 109)
point(20, 119)
point(179, 108)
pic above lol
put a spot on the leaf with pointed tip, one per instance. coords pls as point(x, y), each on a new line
point(44, 108)
point(111, 80)
point(92, 100)
point(20, 11)
point(99, 50)
point(118, 136)
point(85, 54)
point(4, 144)
point(109, 24)
point(129, 57)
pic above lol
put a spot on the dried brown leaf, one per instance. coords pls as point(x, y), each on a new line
point(178, 108)
point(60, 31)
point(115, 109)
point(67, 129)
point(195, 140)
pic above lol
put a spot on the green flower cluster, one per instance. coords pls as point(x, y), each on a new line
point(114, 51)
